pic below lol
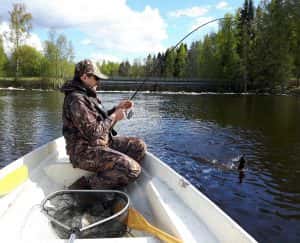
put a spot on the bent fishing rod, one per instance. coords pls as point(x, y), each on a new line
point(241, 161)
point(130, 112)
point(174, 47)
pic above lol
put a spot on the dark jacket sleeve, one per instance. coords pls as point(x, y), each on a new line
point(87, 121)
point(109, 112)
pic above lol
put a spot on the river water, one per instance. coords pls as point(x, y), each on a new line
point(185, 130)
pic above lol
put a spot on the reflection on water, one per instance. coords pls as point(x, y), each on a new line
point(187, 130)
point(28, 120)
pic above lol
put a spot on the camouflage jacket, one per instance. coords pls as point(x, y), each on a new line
point(85, 122)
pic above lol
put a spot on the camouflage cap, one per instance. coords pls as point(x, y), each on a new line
point(86, 66)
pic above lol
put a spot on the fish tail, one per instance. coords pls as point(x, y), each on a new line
point(242, 162)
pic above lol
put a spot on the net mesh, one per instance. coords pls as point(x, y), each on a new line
point(87, 213)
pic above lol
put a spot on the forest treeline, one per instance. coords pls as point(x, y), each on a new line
point(255, 48)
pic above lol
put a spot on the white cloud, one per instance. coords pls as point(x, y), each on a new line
point(86, 42)
point(100, 57)
point(3, 29)
point(33, 40)
point(111, 25)
point(189, 12)
point(223, 5)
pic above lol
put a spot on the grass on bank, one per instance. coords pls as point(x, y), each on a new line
point(31, 82)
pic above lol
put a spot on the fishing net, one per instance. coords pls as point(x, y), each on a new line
point(87, 213)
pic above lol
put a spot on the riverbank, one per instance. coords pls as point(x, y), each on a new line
point(31, 83)
point(295, 91)
point(153, 85)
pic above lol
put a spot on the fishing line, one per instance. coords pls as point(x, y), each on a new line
point(130, 112)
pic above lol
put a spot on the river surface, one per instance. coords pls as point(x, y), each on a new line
point(185, 130)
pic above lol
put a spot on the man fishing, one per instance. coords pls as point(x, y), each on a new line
point(88, 131)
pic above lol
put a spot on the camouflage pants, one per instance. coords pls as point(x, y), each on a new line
point(116, 165)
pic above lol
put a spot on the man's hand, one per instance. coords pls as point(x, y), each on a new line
point(125, 105)
point(118, 115)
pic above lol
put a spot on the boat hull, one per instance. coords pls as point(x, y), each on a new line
point(165, 198)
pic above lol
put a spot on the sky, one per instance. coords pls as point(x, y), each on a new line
point(119, 30)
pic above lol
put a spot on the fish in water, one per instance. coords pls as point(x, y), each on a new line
point(242, 162)
point(237, 163)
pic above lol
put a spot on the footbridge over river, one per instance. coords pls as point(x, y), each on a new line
point(166, 84)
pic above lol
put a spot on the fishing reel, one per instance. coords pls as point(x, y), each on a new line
point(129, 114)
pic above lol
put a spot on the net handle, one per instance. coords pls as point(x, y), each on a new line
point(44, 211)
point(72, 238)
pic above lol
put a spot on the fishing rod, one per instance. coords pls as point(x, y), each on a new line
point(241, 161)
point(130, 112)
point(174, 47)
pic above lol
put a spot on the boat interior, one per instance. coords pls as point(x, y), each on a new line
point(164, 198)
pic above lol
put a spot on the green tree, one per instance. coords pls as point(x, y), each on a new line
point(59, 55)
point(227, 50)
point(30, 61)
point(170, 57)
point(65, 56)
point(109, 68)
point(273, 62)
point(245, 35)
point(180, 61)
point(209, 67)
point(293, 7)
point(124, 69)
point(149, 66)
point(160, 62)
point(136, 70)
point(193, 60)
point(261, 72)
point(20, 26)
point(3, 59)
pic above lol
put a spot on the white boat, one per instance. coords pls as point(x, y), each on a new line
point(164, 197)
